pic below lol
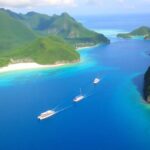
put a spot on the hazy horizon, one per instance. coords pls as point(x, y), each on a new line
point(79, 8)
point(75, 15)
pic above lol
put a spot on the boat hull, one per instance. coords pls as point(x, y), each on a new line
point(78, 99)
point(46, 115)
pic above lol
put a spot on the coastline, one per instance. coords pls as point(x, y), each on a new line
point(86, 47)
point(27, 66)
point(138, 82)
point(33, 65)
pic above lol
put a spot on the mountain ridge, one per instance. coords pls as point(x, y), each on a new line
point(61, 25)
point(42, 38)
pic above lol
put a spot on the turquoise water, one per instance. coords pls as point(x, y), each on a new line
point(112, 117)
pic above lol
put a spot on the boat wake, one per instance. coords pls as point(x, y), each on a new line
point(65, 108)
point(89, 91)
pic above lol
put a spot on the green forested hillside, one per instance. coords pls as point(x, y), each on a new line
point(49, 50)
point(12, 32)
point(43, 39)
point(33, 20)
point(60, 25)
point(64, 26)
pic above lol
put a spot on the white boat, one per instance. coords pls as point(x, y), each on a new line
point(96, 80)
point(79, 97)
point(46, 114)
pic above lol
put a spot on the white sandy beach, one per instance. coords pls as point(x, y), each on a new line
point(26, 66)
point(82, 48)
point(86, 47)
point(33, 65)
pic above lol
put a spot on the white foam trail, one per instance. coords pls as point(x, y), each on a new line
point(60, 105)
point(90, 95)
point(63, 109)
point(89, 89)
point(56, 107)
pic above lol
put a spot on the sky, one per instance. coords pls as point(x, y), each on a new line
point(79, 7)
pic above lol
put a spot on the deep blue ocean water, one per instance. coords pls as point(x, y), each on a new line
point(112, 117)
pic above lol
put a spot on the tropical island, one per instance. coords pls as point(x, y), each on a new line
point(42, 39)
point(142, 32)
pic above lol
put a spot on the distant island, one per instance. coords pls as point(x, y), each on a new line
point(43, 39)
point(142, 32)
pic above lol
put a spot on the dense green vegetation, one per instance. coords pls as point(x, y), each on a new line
point(48, 50)
point(44, 39)
point(147, 85)
point(142, 31)
point(34, 20)
point(64, 26)
point(12, 32)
